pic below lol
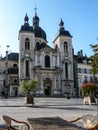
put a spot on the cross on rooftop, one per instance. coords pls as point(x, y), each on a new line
point(35, 10)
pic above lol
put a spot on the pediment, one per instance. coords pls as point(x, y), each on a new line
point(48, 49)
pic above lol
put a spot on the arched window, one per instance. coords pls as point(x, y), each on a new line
point(66, 70)
point(27, 43)
point(14, 65)
point(66, 48)
point(27, 68)
point(47, 61)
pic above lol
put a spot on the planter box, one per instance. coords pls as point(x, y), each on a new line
point(29, 100)
point(89, 100)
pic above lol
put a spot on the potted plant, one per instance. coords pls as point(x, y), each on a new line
point(88, 90)
point(27, 87)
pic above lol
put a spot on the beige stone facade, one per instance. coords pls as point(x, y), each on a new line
point(12, 76)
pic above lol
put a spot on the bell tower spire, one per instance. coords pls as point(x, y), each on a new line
point(61, 25)
point(35, 19)
point(26, 19)
point(35, 10)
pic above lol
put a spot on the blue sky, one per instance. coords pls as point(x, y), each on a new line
point(80, 19)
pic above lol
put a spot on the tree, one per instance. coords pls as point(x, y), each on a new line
point(29, 86)
point(94, 58)
point(89, 88)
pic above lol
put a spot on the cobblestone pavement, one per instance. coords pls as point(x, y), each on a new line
point(67, 109)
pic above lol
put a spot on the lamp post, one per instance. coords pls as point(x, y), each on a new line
point(6, 73)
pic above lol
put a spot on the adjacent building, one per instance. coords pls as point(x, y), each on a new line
point(84, 71)
point(9, 79)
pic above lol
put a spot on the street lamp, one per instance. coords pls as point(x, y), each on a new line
point(6, 72)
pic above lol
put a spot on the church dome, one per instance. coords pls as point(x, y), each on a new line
point(39, 32)
point(26, 28)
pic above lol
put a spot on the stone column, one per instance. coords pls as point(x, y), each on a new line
point(42, 87)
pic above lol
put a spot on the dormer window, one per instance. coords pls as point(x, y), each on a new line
point(27, 43)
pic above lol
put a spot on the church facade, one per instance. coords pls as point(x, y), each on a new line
point(52, 66)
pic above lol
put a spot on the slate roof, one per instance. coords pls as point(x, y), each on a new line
point(26, 28)
point(64, 32)
point(39, 32)
point(12, 56)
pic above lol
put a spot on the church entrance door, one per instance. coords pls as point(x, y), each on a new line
point(47, 86)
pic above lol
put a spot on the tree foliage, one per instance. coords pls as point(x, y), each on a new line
point(89, 88)
point(29, 85)
point(94, 58)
